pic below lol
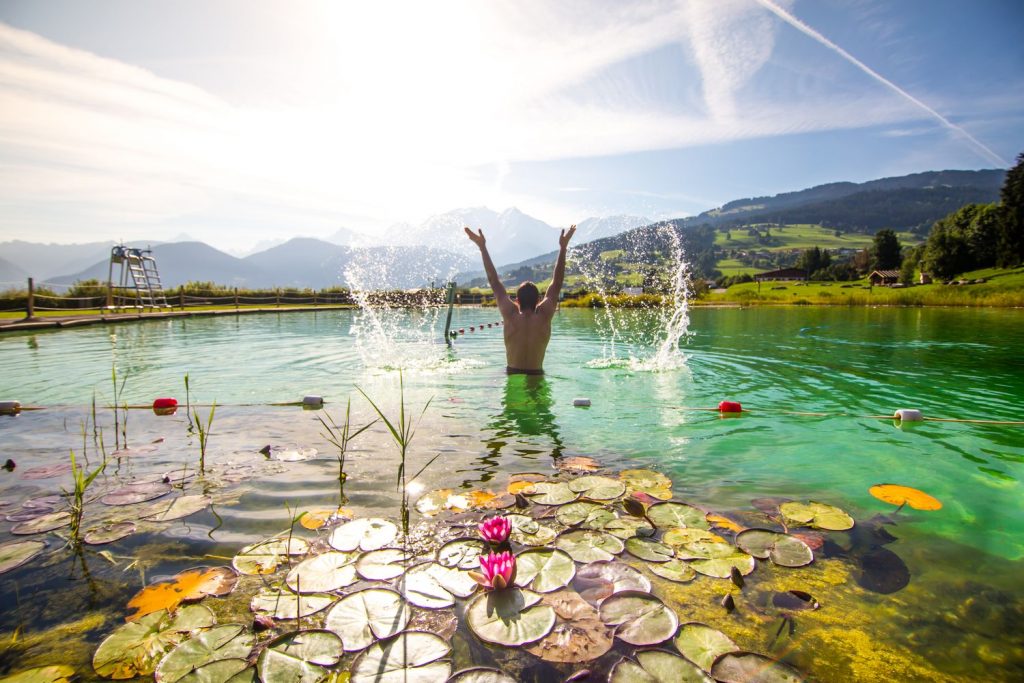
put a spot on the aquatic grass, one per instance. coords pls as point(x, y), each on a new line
point(341, 435)
point(188, 404)
point(82, 480)
point(204, 435)
point(118, 393)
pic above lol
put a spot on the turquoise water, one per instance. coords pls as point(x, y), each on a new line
point(846, 365)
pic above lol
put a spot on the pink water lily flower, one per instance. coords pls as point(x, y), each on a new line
point(495, 529)
point(497, 570)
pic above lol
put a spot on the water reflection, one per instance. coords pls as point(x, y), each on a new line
point(525, 414)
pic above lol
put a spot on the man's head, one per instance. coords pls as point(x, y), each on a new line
point(527, 296)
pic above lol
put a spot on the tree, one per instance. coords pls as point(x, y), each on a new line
point(885, 251)
point(964, 240)
point(1010, 250)
point(946, 254)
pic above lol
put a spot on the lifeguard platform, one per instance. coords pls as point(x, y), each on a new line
point(138, 282)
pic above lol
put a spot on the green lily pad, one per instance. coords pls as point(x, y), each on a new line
point(628, 527)
point(674, 570)
point(409, 657)
point(136, 493)
point(509, 617)
point(433, 586)
point(782, 549)
point(668, 515)
point(323, 573)
point(282, 604)
point(544, 569)
point(721, 567)
point(367, 615)
point(364, 534)
point(16, 553)
point(656, 666)
point(233, 670)
point(463, 553)
point(552, 493)
point(265, 556)
point(43, 523)
point(702, 644)
point(585, 545)
point(477, 674)
point(654, 484)
point(596, 487)
point(383, 564)
point(680, 538)
point(179, 507)
point(578, 636)
point(619, 576)
point(527, 531)
point(60, 673)
point(220, 642)
point(639, 618)
point(299, 657)
point(136, 648)
point(585, 514)
point(108, 533)
point(649, 549)
point(816, 515)
point(741, 667)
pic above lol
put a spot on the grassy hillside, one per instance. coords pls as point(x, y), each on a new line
point(801, 236)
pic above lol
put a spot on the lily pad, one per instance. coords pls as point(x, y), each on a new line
point(904, 495)
point(544, 570)
point(317, 519)
point(463, 553)
point(696, 544)
point(674, 570)
point(552, 493)
point(187, 586)
point(43, 523)
point(742, 667)
point(597, 487)
point(796, 601)
point(16, 553)
point(136, 648)
point(628, 527)
point(410, 657)
point(816, 515)
point(477, 674)
point(589, 546)
point(649, 549)
point(668, 515)
point(323, 573)
point(136, 493)
point(652, 483)
point(383, 564)
point(584, 514)
point(364, 534)
point(527, 531)
point(233, 670)
point(282, 604)
point(265, 556)
point(180, 507)
point(47, 471)
point(702, 644)
point(220, 642)
point(433, 586)
point(579, 463)
point(108, 533)
point(639, 618)
point(723, 522)
point(578, 636)
point(42, 674)
point(509, 617)
point(721, 567)
point(782, 549)
point(619, 576)
point(657, 666)
point(299, 657)
point(367, 615)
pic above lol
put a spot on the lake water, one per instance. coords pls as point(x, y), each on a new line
point(813, 381)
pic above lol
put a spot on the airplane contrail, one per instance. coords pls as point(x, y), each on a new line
point(807, 30)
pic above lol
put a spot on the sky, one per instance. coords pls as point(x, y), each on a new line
point(240, 121)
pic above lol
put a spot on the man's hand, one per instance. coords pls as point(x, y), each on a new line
point(563, 241)
point(477, 237)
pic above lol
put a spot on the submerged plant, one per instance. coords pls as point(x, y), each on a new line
point(82, 480)
point(204, 435)
point(341, 435)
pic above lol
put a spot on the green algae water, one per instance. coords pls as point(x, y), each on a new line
point(906, 595)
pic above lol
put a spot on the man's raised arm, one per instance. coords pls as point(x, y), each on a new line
point(551, 296)
point(501, 297)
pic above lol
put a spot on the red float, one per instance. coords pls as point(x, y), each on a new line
point(165, 406)
point(730, 407)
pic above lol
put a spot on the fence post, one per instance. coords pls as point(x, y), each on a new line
point(314, 298)
point(236, 298)
point(181, 296)
point(278, 300)
point(30, 302)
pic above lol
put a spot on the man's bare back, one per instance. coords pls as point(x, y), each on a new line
point(528, 322)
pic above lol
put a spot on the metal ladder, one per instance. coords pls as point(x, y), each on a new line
point(140, 265)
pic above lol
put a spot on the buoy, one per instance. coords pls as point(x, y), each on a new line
point(490, 324)
point(581, 402)
point(471, 328)
point(908, 415)
point(730, 407)
point(312, 401)
point(164, 403)
point(462, 330)
point(10, 407)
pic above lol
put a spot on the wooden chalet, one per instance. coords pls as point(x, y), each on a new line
point(884, 277)
point(792, 274)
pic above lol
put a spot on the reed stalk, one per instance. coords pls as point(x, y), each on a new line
point(340, 436)
point(204, 435)
point(82, 480)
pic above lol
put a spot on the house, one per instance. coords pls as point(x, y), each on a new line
point(884, 277)
point(783, 274)
point(926, 279)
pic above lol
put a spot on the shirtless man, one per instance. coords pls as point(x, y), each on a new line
point(527, 323)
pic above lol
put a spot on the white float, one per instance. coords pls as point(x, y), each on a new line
point(10, 407)
point(908, 415)
point(581, 402)
point(312, 401)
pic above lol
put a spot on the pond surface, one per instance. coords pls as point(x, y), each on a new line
point(813, 383)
